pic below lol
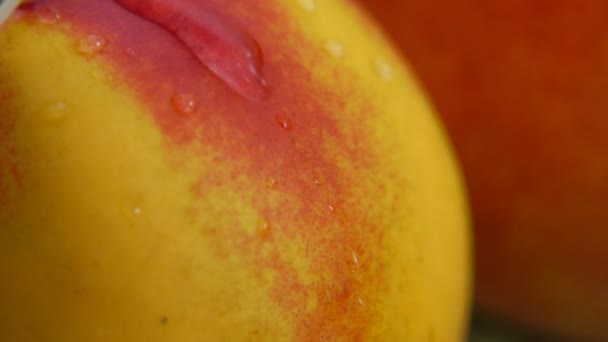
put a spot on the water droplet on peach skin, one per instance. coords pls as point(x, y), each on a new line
point(355, 258)
point(383, 69)
point(184, 103)
point(56, 111)
point(263, 228)
point(129, 52)
point(271, 183)
point(334, 48)
point(283, 121)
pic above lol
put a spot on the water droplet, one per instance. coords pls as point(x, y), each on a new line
point(271, 183)
point(225, 49)
point(331, 208)
point(49, 16)
point(263, 228)
point(308, 5)
point(383, 69)
point(91, 44)
point(184, 103)
point(283, 121)
point(334, 48)
point(101, 75)
point(56, 111)
point(360, 301)
point(317, 182)
point(129, 52)
point(355, 258)
point(131, 214)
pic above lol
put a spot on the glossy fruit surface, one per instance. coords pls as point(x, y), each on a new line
point(221, 170)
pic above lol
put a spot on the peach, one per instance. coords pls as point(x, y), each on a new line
point(521, 87)
point(189, 170)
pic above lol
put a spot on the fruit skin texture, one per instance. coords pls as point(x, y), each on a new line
point(142, 199)
point(522, 86)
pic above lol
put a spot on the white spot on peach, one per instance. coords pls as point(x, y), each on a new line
point(334, 48)
point(383, 69)
point(308, 5)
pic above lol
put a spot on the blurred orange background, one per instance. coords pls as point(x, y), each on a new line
point(521, 86)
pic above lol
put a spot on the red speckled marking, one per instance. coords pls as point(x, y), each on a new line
point(159, 66)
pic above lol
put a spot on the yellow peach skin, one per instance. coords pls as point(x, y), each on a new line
point(142, 198)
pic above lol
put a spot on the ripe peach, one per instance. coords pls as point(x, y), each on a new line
point(189, 170)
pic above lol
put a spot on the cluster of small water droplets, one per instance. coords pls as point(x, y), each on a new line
point(129, 52)
point(49, 16)
point(356, 262)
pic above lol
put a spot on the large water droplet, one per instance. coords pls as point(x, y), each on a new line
point(185, 103)
point(283, 121)
point(49, 16)
point(229, 52)
point(91, 44)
